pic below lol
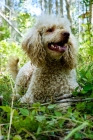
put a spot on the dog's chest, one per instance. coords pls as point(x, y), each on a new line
point(48, 84)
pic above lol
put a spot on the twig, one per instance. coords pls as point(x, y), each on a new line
point(83, 125)
point(73, 100)
point(11, 114)
point(30, 134)
point(65, 96)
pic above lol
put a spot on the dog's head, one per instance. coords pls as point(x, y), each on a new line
point(51, 38)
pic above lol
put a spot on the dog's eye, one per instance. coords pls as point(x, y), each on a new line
point(50, 30)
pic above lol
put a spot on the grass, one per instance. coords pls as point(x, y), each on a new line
point(44, 122)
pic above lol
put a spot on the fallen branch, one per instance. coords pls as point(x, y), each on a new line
point(65, 96)
point(73, 100)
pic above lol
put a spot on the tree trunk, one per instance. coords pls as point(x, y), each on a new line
point(45, 6)
point(50, 7)
point(90, 9)
point(68, 10)
point(56, 7)
point(40, 1)
point(92, 14)
point(61, 7)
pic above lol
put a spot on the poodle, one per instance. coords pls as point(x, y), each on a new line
point(52, 49)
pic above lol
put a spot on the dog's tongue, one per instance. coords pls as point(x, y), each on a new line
point(57, 47)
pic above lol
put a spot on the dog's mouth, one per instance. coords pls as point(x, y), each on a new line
point(58, 47)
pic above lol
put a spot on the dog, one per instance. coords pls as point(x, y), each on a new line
point(52, 49)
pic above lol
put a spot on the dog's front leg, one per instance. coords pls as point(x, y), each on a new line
point(28, 97)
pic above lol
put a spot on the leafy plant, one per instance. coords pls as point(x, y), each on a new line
point(4, 31)
point(10, 49)
point(24, 21)
point(45, 122)
point(86, 45)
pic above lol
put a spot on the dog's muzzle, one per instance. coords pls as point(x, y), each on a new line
point(60, 46)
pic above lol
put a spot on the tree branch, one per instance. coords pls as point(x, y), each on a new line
point(65, 99)
point(74, 100)
point(10, 24)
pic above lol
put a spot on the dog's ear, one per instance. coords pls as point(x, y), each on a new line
point(69, 59)
point(32, 45)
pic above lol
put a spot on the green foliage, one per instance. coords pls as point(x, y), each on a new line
point(85, 78)
point(10, 49)
point(44, 122)
point(5, 88)
point(87, 2)
point(85, 67)
point(4, 31)
point(39, 122)
point(24, 21)
point(86, 45)
point(85, 70)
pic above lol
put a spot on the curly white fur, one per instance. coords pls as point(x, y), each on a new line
point(53, 50)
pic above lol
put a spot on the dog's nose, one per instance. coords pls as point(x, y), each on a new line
point(66, 34)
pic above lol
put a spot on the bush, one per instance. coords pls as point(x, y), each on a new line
point(4, 31)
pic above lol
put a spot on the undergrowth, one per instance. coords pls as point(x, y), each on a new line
point(46, 122)
point(39, 122)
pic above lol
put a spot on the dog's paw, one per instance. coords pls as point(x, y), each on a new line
point(22, 100)
point(26, 100)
